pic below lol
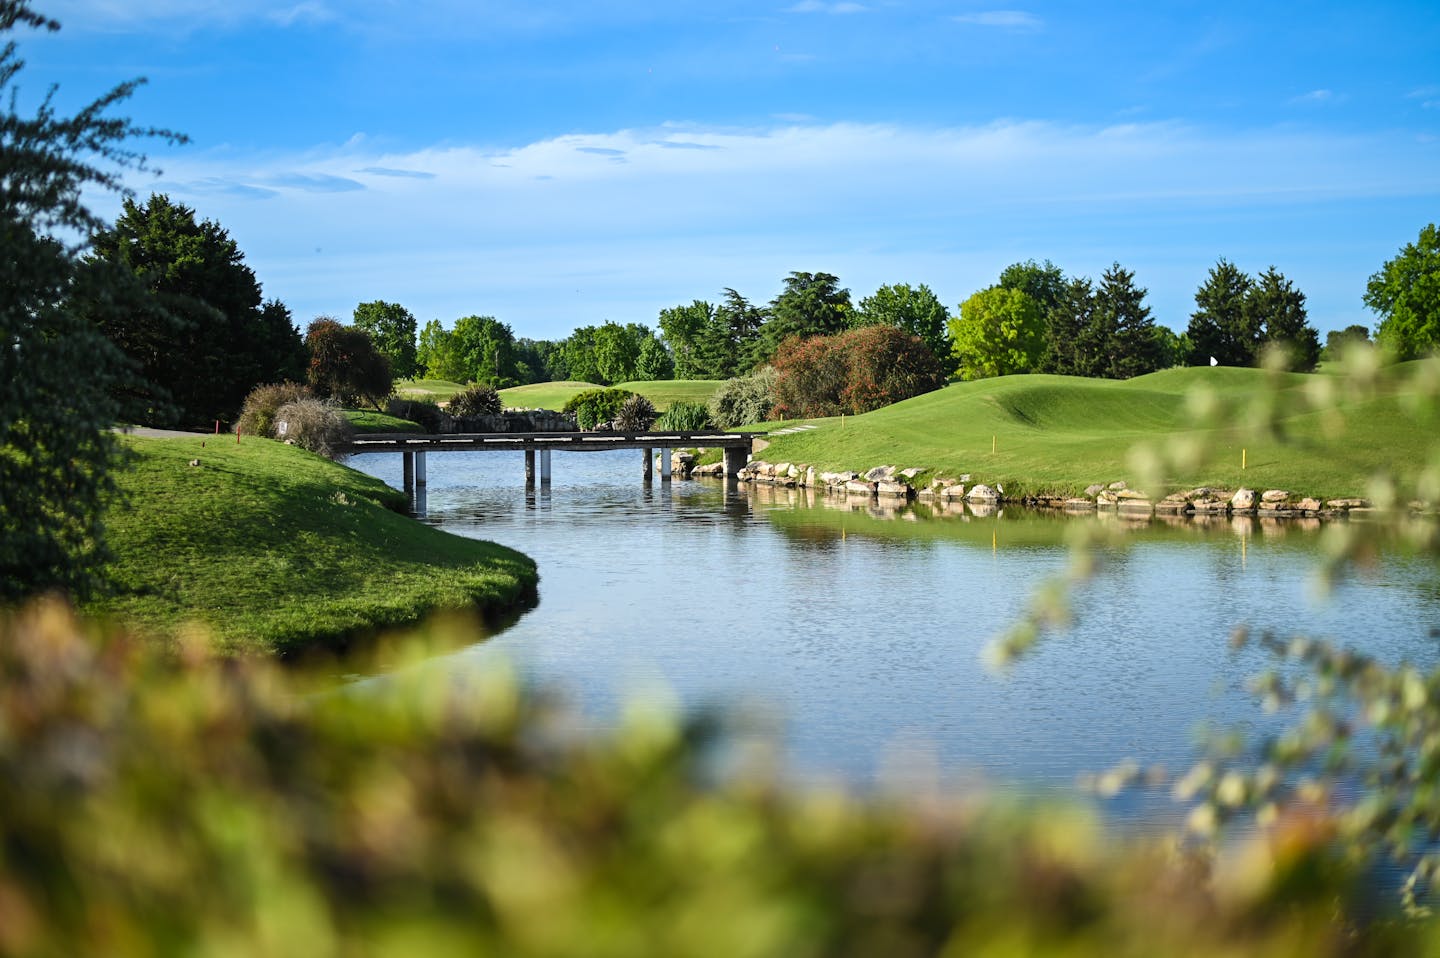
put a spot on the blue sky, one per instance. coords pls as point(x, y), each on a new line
point(561, 164)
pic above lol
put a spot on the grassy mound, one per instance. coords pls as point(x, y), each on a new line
point(431, 390)
point(368, 420)
point(1059, 433)
point(662, 392)
point(275, 549)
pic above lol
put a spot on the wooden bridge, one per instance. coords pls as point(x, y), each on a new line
point(538, 446)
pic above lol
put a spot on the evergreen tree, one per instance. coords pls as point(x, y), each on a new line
point(195, 324)
point(811, 304)
point(737, 325)
point(1120, 310)
point(1069, 350)
point(1277, 309)
point(56, 369)
point(1221, 326)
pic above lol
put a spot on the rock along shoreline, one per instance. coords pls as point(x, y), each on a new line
point(902, 485)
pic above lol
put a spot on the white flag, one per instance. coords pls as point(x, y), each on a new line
point(1214, 361)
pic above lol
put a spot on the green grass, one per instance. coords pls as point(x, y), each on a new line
point(662, 392)
point(368, 420)
point(275, 549)
point(1056, 434)
point(543, 395)
point(433, 390)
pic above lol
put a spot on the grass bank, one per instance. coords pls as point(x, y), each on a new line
point(368, 420)
point(275, 549)
point(1058, 434)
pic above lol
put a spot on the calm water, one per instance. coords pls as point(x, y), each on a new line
point(861, 638)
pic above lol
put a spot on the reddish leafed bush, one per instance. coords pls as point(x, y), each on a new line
point(852, 372)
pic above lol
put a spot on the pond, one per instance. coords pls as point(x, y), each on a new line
point(860, 639)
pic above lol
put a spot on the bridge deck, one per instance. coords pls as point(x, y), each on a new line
point(563, 441)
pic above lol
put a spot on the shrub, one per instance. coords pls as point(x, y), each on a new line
point(596, 406)
point(480, 399)
point(160, 804)
point(636, 415)
point(743, 400)
point(852, 372)
point(314, 425)
point(684, 417)
point(257, 415)
point(427, 414)
point(345, 365)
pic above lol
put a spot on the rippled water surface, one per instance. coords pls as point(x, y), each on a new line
point(863, 637)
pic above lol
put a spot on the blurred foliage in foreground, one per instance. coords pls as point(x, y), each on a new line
point(165, 805)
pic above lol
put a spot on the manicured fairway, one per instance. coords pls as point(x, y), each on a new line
point(1057, 434)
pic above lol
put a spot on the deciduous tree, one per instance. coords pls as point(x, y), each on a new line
point(345, 365)
point(1405, 294)
point(915, 310)
point(998, 332)
point(654, 361)
point(392, 329)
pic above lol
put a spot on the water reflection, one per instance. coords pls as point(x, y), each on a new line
point(862, 623)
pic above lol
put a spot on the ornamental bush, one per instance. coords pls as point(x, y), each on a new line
point(314, 425)
point(480, 399)
point(427, 414)
point(743, 400)
point(594, 407)
point(636, 415)
point(684, 416)
point(852, 372)
point(257, 415)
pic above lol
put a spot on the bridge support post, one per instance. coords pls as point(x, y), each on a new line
point(648, 466)
point(544, 467)
point(529, 468)
point(664, 464)
point(420, 474)
point(735, 459)
point(407, 471)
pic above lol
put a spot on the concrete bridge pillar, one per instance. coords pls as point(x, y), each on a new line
point(735, 459)
point(544, 467)
point(529, 468)
point(664, 464)
point(648, 469)
point(407, 470)
point(420, 473)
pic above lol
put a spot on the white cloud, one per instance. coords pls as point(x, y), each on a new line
point(1005, 19)
point(1315, 96)
point(692, 210)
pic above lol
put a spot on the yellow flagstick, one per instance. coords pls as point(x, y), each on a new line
point(992, 445)
point(1242, 459)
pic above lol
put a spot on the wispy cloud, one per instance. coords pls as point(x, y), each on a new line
point(1003, 19)
point(314, 182)
point(750, 205)
point(818, 6)
point(1429, 97)
point(403, 174)
point(1316, 96)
